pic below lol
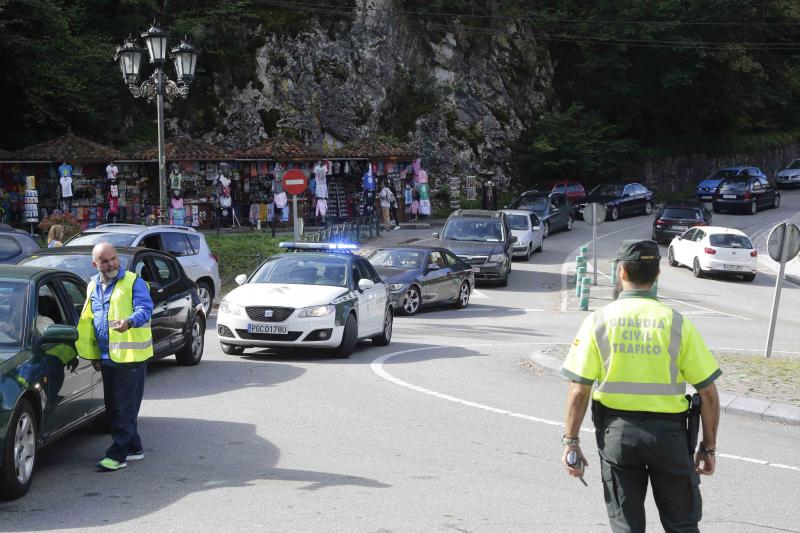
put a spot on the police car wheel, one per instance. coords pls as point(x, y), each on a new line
point(19, 452)
point(386, 336)
point(230, 349)
point(349, 338)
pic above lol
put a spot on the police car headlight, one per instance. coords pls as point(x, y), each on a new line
point(316, 311)
point(230, 308)
point(497, 258)
point(397, 287)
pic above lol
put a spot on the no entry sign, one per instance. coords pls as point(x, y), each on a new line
point(295, 181)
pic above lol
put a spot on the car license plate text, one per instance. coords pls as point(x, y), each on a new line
point(680, 227)
point(706, 197)
point(733, 267)
point(266, 328)
point(729, 196)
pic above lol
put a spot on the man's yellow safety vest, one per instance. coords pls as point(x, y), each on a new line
point(641, 353)
point(132, 346)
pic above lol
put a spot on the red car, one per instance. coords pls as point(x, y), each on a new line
point(572, 189)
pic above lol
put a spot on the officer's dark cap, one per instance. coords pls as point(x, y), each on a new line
point(638, 250)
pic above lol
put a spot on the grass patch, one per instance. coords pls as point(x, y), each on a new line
point(758, 377)
point(241, 253)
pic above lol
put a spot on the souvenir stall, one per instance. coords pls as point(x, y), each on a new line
point(203, 187)
point(62, 175)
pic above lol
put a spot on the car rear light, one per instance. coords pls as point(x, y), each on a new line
point(746, 195)
point(709, 251)
point(214, 257)
point(659, 222)
point(754, 253)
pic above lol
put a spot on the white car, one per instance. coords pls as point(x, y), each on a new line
point(525, 226)
point(711, 249)
point(320, 296)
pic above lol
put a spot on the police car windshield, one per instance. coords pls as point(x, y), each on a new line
point(94, 237)
point(473, 230)
point(80, 264)
point(13, 295)
point(304, 269)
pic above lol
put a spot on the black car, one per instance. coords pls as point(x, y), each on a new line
point(674, 218)
point(553, 209)
point(749, 193)
point(178, 322)
point(482, 239)
point(15, 244)
point(620, 199)
point(423, 275)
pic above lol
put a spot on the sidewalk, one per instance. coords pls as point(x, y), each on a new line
point(792, 271)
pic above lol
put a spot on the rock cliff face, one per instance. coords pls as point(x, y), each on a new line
point(461, 96)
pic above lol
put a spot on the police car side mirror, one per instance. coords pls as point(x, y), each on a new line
point(240, 279)
point(365, 284)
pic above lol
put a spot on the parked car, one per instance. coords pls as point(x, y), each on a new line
point(553, 210)
point(527, 228)
point(620, 199)
point(709, 186)
point(178, 321)
point(573, 190)
point(46, 390)
point(320, 296)
point(749, 193)
point(789, 176)
point(15, 244)
point(421, 276)
point(714, 250)
point(482, 239)
point(186, 244)
point(676, 217)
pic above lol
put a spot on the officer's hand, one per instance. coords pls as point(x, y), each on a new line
point(119, 325)
point(704, 464)
point(574, 472)
point(96, 364)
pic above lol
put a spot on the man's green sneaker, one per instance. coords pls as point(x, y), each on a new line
point(111, 465)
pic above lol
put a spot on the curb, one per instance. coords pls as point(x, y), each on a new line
point(766, 410)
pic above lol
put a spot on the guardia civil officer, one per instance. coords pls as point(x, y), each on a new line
point(641, 353)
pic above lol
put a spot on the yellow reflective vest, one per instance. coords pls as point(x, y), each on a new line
point(133, 346)
point(641, 353)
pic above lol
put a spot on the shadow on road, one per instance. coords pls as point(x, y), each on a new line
point(183, 457)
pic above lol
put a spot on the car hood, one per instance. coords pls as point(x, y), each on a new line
point(600, 199)
point(522, 236)
point(789, 172)
point(472, 247)
point(284, 294)
point(396, 275)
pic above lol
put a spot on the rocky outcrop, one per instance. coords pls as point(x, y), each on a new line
point(462, 97)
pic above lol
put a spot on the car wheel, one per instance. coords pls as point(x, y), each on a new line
point(504, 281)
point(192, 351)
point(386, 335)
point(231, 349)
point(19, 452)
point(776, 202)
point(648, 208)
point(545, 230)
point(463, 295)
point(671, 257)
point(206, 296)
point(753, 207)
point(349, 338)
point(615, 213)
point(528, 253)
point(570, 222)
point(696, 270)
point(748, 277)
point(540, 249)
point(411, 301)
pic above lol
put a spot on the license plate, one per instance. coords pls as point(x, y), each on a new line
point(476, 269)
point(706, 197)
point(680, 227)
point(266, 328)
point(733, 267)
point(729, 196)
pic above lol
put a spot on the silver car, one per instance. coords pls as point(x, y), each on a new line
point(526, 227)
point(187, 245)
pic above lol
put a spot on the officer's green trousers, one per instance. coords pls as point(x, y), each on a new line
point(635, 448)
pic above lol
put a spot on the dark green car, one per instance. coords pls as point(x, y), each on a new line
point(46, 391)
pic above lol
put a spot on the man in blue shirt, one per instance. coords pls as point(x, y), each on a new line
point(123, 382)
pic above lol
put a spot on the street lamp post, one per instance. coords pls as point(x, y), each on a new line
point(158, 85)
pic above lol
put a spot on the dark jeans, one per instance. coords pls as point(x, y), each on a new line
point(636, 448)
point(123, 387)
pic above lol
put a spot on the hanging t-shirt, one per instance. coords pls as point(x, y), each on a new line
point(424, 194)
point(322, 190)
point(407, 196)
point(66, 187)
point(113, 190)
point(280, 200)
point(368, 182)
point(65, 170)
point(175, 180)
point(111, 171)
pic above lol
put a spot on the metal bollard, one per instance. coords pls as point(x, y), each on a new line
point(614, 272)
point(581, 273)
point(586, 282)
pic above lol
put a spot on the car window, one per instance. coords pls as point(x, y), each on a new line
point(93, 237)
point(436, 258)
point(367, 271)
point(534, 220)
point(764, 182)
point(559, 188)
point(628, 190)
point(175, 244)
point(756, 185)
point(481, 230)
point(452, 260)
point(306, 269)
point(397, 258)
point(166, 271)
point(48, 308)
point(557, 201)
point(356, 274)
point(699, 236)
point(518, 222)
point(151, 241)
point(194, 243)
point(689, 235)
point(681, 212)
point(737, 185)
point(13, 297)
point(76, 296)
point(142, 269)
point(729, 240)
point(530, 202)
point(9, 248)
point(80, 264)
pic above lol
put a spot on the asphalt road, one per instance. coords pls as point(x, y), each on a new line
point(447, 429)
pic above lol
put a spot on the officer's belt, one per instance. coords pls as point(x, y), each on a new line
point(608, 412)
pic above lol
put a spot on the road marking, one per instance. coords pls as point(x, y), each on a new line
point(479, 295)
point(377, 367)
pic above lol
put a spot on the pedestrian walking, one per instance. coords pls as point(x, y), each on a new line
point(386, 198)
point(641, 353)
point(114, 332)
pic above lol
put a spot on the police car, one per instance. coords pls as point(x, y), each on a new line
point(317, 295)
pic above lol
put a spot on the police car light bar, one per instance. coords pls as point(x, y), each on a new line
point(323, 246)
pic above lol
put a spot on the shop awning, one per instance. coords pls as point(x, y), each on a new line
point(70, 147)
point(373, 149)
point(276, 149)
point(183, 149)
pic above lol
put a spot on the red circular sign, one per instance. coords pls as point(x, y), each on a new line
point(295, 181)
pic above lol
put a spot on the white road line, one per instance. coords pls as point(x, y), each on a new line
point(377, 367)
point(479, 295)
